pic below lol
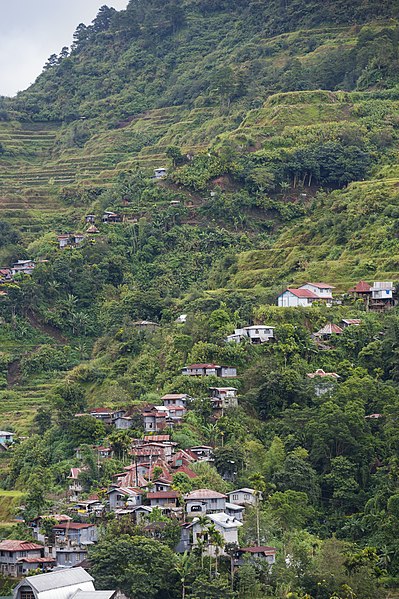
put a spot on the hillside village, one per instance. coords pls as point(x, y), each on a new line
point(199, 306)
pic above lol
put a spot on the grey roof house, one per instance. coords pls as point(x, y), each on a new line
point(74, 583)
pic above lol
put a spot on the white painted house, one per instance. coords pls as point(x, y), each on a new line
point(322, 290)
point(71, 583)
point(256, 334)
point(224, 397)
point(204, 501)
point(294, 298)
point(226, 525)
point(243, 496)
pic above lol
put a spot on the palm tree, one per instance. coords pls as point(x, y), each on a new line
point(183, 567)
point(216, 540)
point(203, 522)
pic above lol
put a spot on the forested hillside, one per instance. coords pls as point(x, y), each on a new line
point(278, 125)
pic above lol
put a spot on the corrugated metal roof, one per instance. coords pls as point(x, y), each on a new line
point(93, 595)
point(57, 580)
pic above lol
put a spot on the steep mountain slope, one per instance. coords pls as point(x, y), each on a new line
point(283, 182)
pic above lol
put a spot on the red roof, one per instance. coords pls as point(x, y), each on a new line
point(186, 470)
point(361, 287)
point(38, 560)
point(19, 546)
point(321, 285)
point(100, 411)
point(329, 329)
point(197, 366)
point(148, 451)
point(72, 526)
point(303, 293)
point(260, 549)
point(205, 494)
point(163, 495)
point(155, 414)
point(156, 438)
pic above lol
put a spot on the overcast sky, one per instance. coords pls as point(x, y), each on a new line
point(32, 30)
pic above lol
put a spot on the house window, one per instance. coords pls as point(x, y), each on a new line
point(27, 595)
point(235, 497)
point(195, 508)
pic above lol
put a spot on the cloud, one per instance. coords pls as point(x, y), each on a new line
point(31, 31)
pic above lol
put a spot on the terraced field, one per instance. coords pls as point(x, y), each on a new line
point(35, 165)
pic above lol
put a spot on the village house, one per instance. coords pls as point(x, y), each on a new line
point(146, 325)
point(70, 556)
point(111, 217)
point(324, 382)
point(320, 373)
point(175, 399)
point(327, 331)
point(166, 448)
point(123, 422)
point(378, 297)
point(203, 453)
point(210, 370)
point(18, 557)
point(243, 496)
point(37, 523)
point(382, 296)
point(25, 267)
point(223, 397)
point(226, 525)
point(92, 230)
point(72, 583)
point(347, 322)
point(305, 295)
point(88, 507)
point(103, 414)
point(175, 414)
point(120, 497)
point(255, 554)
point(75, 488)
point(70, 240)
point(361, 290)
point(90, 218)
point(182, 319)
point(256, 334)
point(322, 290)
point(148, 453)
point(163, 498)
point(5, 275)
point(6, 437)
point(154, 420)
point(235, 511)
point(160, 173)
point(156, 439)
point(78, 533)
point(293, 298)
point(204, 501)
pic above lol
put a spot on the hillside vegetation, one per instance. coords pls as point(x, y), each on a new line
point(278, 123)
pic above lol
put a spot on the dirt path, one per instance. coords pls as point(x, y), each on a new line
point(46, 328)
point(14, 373)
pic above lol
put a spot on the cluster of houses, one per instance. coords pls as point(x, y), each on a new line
point(158, 418)
point(147, 484)
point(24, 267)
point(378, 297)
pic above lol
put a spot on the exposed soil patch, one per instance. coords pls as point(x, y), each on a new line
point(46, 328)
